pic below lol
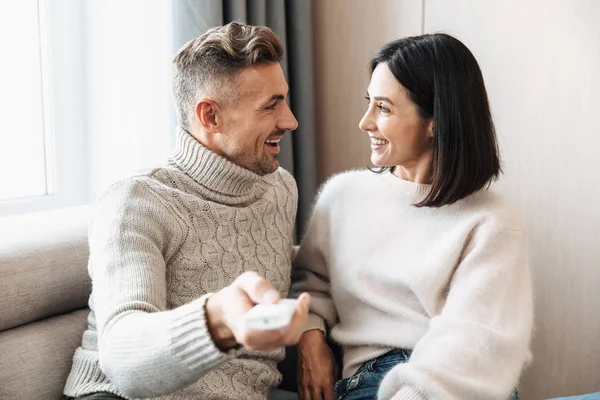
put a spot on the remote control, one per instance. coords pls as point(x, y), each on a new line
point(264, 317)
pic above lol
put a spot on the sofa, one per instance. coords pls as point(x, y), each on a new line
point(43, 300)
point(44, 290)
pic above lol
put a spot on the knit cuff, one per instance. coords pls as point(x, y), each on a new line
point(191, 339)
point(408, 393)
point(315, 322)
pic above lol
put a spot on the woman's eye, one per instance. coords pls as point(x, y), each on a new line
point(383, 109)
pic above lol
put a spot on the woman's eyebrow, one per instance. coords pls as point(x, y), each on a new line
point(383, 98)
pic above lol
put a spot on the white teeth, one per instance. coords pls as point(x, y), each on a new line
point(379, 142)
point(273, 141)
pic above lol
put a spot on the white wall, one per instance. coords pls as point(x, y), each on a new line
point(541, 63)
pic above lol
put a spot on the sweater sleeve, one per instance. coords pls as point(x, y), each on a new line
point(478, 345)
point(144, 349)
point(309, 269)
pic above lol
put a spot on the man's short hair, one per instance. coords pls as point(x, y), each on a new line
point(209, 64)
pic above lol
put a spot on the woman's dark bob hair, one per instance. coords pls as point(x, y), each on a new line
point(445, 83)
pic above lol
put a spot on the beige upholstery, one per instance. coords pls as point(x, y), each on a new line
point(43, 259)
point(43, 298)
point(36, 357)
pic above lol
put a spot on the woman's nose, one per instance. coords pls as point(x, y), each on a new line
point(366, 123)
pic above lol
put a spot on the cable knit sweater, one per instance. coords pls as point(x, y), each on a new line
point(451, 283)
point(160, 243)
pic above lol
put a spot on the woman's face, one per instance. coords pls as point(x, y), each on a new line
point(399, 136)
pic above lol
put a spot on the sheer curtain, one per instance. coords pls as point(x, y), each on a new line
point(129, 118)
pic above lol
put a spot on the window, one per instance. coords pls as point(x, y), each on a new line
point(42, 142)
point(24, 156)
point(85, 99)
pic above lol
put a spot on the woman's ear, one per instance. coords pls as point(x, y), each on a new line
point(208, 114)
point(429, 128)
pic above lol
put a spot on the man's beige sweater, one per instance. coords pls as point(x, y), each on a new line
point(160, 242)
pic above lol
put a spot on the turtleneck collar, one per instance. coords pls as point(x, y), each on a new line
point(212, 171)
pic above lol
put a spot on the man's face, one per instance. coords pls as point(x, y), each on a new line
point(258, 120)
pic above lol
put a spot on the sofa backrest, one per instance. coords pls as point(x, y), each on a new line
point(43, 258)
point(44, 290)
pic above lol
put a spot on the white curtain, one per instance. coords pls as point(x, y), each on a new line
point(130, 123)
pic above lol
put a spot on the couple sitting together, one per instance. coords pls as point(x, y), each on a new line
point(414, 267)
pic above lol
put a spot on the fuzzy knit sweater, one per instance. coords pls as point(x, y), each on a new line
point(450, 283)
point(160, 243)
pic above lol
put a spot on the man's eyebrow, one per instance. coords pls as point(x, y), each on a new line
point(277, 97)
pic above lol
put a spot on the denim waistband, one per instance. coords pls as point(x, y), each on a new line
point(395, 356)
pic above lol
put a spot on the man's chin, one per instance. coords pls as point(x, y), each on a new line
point(266, 168)
point(270, 170)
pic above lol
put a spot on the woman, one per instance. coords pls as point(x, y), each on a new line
point(416, 269)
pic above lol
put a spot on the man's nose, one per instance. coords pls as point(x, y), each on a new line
point(288, 121)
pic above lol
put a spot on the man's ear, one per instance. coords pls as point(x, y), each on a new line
point(209, 115)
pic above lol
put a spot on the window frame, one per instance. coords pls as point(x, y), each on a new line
point(62, 58)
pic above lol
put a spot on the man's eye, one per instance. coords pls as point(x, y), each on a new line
point(271, 107)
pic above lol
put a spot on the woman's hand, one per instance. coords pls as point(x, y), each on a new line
point(317, 368)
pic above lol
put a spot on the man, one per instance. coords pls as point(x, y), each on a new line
point(217, 219)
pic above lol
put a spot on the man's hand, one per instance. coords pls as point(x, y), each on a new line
point(225, 314)
point(317, 368)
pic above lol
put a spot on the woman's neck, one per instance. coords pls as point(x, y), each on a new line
point(418, 172)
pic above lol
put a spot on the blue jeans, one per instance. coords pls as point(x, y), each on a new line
point(95, 396)
point(364, 384)
point(591, 396)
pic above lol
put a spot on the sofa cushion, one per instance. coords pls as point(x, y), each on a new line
point(43, 264)
point(36, 358)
